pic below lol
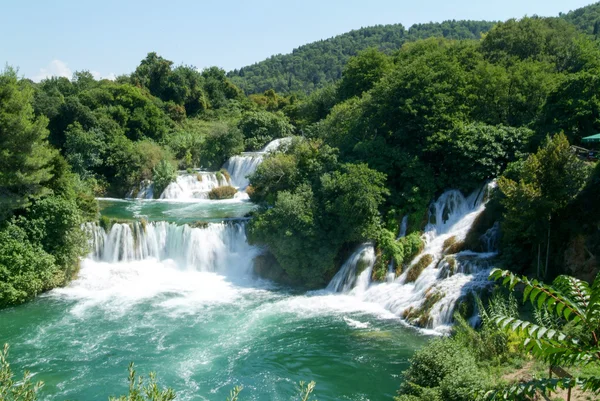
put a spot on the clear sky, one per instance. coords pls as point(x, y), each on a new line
point(108, 37)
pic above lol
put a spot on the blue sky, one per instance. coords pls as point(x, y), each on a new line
point(110, 37)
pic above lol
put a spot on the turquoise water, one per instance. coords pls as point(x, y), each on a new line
point(174, 211)
point(203, 333)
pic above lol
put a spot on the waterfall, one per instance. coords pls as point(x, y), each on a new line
point(446, 277)
point(213, 248)
point(194, 186)
point(244, 165)
point(344, 280)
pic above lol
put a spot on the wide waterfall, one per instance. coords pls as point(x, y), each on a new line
point(446, 277)
point(217, 247)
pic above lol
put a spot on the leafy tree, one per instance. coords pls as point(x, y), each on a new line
point(352, 196)
point(362, 72)
point(575, 305)
point(25, 156)
point(84, 150)
point(220, 143)
point(260, 128)
point(547, 181)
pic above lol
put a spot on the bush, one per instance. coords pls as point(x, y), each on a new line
point(163, 174)
point(217, 193)
point(25, 268)
point(446, 370)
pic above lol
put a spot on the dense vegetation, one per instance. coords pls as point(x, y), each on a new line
point(317, 64)
point(439, 114)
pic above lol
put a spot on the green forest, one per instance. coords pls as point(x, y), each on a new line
point(384, 119)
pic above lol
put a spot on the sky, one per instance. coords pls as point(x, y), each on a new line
point(110, 37)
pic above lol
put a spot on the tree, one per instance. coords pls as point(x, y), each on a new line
point(362, 72)
point(261, 127)
point(546, 183)
point(84, 150)
point(25, 155)
point(572, 339)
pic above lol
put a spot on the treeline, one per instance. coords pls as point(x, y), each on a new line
point(440, 114)
point(317, 64)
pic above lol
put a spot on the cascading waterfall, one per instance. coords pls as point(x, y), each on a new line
point(194, 186)
point(361, 260)
point(197, 185)
point(214, 248)
point(430, 300)
point(244, 165)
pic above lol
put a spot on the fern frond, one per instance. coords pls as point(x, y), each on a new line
point(530, 330)
point(577, 291)
point(539, 294)
point(519, 391)
point(593, 311)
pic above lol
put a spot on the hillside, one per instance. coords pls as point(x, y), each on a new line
point(316, 64)
point(586, 19)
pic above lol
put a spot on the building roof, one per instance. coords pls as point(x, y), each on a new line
point(592, 138)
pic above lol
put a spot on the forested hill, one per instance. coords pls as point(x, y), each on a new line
point(585, 19)
point(313, 65)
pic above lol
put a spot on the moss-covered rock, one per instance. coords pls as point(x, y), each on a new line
point(452, 245)
point(218, 193)
point(416, 270)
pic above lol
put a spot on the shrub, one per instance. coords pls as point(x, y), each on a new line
point(435, 362)
point(163, 174)
point(227, 192)
point(25, 276)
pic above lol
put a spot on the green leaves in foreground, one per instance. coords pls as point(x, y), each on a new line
point(11, 390)
point(572, 303)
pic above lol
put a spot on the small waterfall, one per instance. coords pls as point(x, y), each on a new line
point(345, 279)
point(194, 186)
point(216, 247)
point(242, 166)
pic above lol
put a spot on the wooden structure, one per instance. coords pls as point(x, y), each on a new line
point(560, 372)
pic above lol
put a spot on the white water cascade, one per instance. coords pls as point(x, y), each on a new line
point(214, 248)
point(430, 300)
point(244, 165)
point(361, 260)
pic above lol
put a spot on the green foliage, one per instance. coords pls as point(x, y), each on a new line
point(362, 72)
point(25, 157)
point(318, 64)
point(26, 269)
point(140, 391)
point(577, 305)
point(260, 128)
point(227, 192)
point(162, 175)
point(446, 370)
point(221, 142)
point(545, 184)
point(84, 150)
point(318, 205)
point(21, 390)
